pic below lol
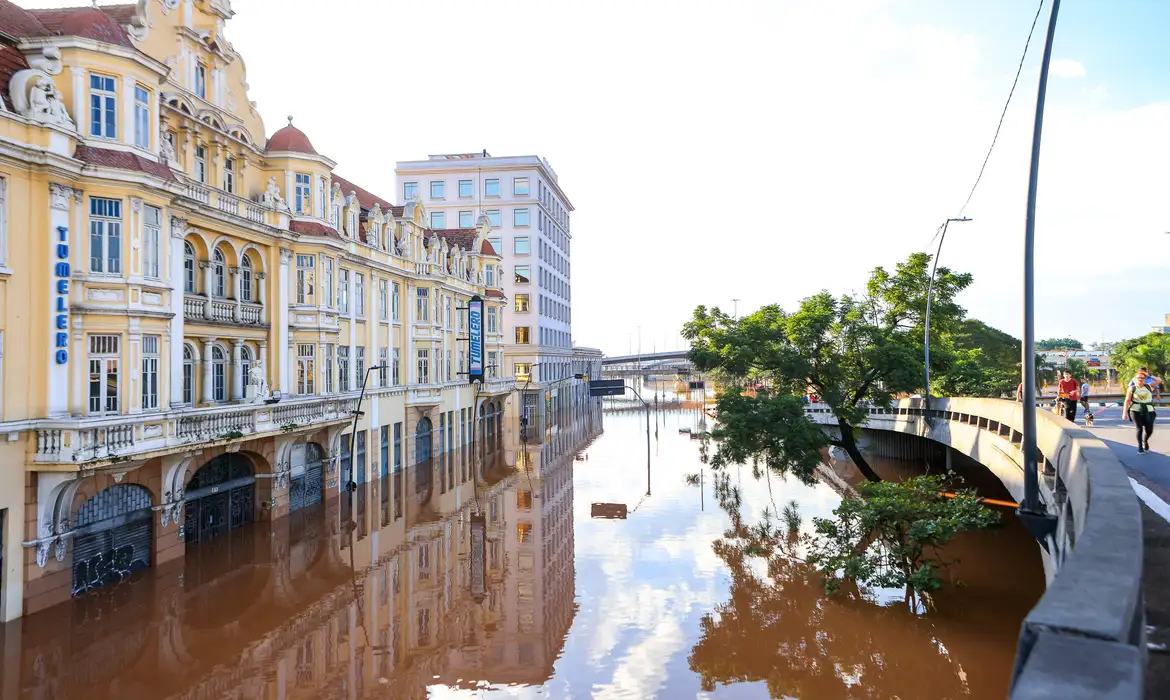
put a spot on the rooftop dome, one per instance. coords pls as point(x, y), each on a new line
point(292, 139)
point(92, 23)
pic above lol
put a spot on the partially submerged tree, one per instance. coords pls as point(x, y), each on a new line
point(851, 351)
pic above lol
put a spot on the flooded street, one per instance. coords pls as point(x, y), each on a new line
point(393, 597)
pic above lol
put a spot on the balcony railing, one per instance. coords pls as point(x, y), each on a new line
point(199, 308)
point(226, 202)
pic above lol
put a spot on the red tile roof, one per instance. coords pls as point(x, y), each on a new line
point(292, 139)
point(122, 160)
point(494, 294)
point(463, 237)
point(88, 22)
point(364, 197)
point(487, 249)
point(19, 22)
point(11, 61)
point(397, 211)
point(312, 228)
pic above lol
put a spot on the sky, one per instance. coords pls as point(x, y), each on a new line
point(763, 151)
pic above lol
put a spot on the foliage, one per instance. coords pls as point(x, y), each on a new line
point(1050, 344)
point(978, 361)
point(890, 536)
point(851, 351)
point(1079, 369)
point(768, 427)
point(1151, 350)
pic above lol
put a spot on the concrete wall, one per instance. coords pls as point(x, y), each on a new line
point(1086, 636)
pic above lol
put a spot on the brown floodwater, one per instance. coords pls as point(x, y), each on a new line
point(667, 602)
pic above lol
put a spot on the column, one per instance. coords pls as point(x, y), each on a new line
point(290, 353)
point(205, 265)
point(237, 369)
point(237, 281)
point(80, 113)
point(284, 369)
point(408, 332)
point(208, 388)
point(57, 291)
point(351, 286)
point(178, 234)
point(262, 358)
point(262, 290)
point(127, 116)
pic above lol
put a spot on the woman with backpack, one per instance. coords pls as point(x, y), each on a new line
point(1139, 403)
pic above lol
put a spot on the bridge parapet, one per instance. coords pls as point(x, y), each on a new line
point(1085, 638)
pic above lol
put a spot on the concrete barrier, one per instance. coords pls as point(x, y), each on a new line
point(1085, 638)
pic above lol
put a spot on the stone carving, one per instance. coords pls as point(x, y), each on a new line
point(285, 256)
point(272, 198)
point(43, 552)
point(166, 149)
point(35, 96)
point(433, 253)
point(178, 227)
point(59, 196)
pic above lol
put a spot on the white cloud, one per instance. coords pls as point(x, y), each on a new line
point(1067, 68)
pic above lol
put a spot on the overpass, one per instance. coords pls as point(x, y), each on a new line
point(1086, 637)
point(644, 357)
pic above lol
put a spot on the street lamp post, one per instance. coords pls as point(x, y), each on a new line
point(929, 301)
point(351, 485)
point(1035, 516)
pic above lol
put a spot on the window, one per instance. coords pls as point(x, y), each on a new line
point(359, 366)
point(141, 117)
point(424, 369)
point(489, 276)
point(245, 279)
point(383, 309)
point(353, 225)
point(188, 375)
point(218, 274)
point(201, 80)
point(327, 370)
point(305, 279)
point(493, 216)
point(394, 302)
point(359, 293)
point(229, 175)
point(466, 219)
point(523, 335)
point(446, 312)
point(383, 371)
point(105, 235)
point(149, 372)
point(462, 361)
point(152, 225)
point(423, 305)
point(492, 368)
point(522, 370)
point(437, 189)
point(523, 274)
point(397, 459)
point(335, 217)
point(343, 291)
point(320, 198)
point(465, 189)
point(409, 191)
point(104, 353)
point(449, 375)
point(438, 219)
point(491, 187)
point(103, 107)
point(395, 367)
point(304, 193)
point(497, 244)
point(201, 164)
point(520, 217)
point(305, 369)
point(343, 368)
point(521, 245)
point(218, 373)
point(520, 187)
point(491, 319)
point(327, 265)
point(522, 303)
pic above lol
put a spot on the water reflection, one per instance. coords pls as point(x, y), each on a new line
point(351, 598)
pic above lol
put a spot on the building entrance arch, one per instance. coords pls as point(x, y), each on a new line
point(422, 441)
point(220, 497)
point(305, 468)
point(112, 537)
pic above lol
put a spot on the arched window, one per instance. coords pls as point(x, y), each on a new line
point(245, 364)
point(218, 273)
point(188, 267)
point(218, 373)
point(353, 232)
point(188, 375)
point(335, 217)
point(246, 279)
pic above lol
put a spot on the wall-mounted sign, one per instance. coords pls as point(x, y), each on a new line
point(475, 341)
point(478, 566)
point(61, 297)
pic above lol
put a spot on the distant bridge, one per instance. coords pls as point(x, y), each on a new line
point(644, 357)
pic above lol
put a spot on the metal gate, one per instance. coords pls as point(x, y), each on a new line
point(304, 489)
point(112, 537)
point(220, 497)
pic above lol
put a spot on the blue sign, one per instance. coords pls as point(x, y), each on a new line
point(475, 322)
point(61, 297)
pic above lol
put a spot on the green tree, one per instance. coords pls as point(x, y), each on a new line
point(852, 351)
point(1151, 350)
point(1079, 369)
point(1065, 344)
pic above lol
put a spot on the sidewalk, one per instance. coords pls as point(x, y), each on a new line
point(1151, 471)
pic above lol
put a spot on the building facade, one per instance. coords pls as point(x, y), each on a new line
point(189, 310)
point(529, 215)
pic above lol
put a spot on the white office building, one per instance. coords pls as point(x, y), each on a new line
point(529, 214)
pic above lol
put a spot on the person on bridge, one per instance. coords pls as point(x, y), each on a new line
point(1139, 403)
point(1069, 391)
point(1085, 389)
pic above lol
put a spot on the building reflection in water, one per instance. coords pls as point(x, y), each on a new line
point(339, 600)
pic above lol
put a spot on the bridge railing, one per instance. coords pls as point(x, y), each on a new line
point(1085, 638)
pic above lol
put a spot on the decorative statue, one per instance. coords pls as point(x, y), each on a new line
point(256, 375)
point(165, 148)
point(272, 196)
point(35, 97)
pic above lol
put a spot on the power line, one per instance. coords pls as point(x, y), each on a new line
point(1003, 114)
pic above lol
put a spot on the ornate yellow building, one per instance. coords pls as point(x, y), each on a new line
point(188, 309)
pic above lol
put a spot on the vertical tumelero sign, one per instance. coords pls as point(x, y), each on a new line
point(475, 341)
point(61, 274)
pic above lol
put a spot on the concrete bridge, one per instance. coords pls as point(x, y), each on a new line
point(1086, 638)
point(644, 357)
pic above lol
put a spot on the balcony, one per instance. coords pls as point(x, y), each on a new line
point(200, 309)
point(226, 202)
point(85, 442)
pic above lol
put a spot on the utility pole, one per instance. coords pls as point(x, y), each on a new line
point(735, 308)
point(1041, 524)
point(929, 300)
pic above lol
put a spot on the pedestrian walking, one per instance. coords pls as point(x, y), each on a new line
point(1068, 393)
point(1139, 404)
point(1085, 389)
